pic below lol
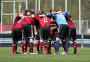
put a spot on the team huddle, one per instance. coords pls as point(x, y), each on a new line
point(44, 27)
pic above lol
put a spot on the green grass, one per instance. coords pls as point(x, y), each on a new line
point(83, 55)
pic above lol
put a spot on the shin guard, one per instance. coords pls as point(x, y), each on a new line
point(57, 46)
point(41, 47)
point(24, 47)
point(75, 47)
point(31, 46)
point(50, 47)
point(45, 47)
point(13, 48)
point(67, 46)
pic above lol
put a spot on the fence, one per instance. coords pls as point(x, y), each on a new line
point(8, 15)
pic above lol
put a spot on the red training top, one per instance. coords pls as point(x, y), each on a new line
point(19, 24)
point(28, 20)
point(71, 25)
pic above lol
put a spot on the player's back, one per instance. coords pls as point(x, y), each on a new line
point(19, 24)
point(60, 19)
point(44, 21)
point(71, 25)
point(28, 20)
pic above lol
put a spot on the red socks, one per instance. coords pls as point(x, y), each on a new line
point(41, 47)
point(24, 47)
point(45, 47)
point(14, 48)
point(31, 47)
point(75, 47)
point(49, 47)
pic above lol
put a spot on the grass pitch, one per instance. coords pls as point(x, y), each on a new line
point(83, 55)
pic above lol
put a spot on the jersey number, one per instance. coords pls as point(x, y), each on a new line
point(45, 20)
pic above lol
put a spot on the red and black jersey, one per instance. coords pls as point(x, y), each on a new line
point(69, 21)
point(53, 24)
point(19, 24)
point(44, 21)
point(28, 20)
point(37, 24)
point(71, 25)
point(17, 18)
point(37, 17)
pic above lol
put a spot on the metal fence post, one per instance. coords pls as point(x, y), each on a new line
point(52, 4)
point(1, 15)
point(79, 16)
point(65, 5)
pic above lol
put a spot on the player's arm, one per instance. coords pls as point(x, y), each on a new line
point(48, 14)
point(52, 28)
point(35, 31)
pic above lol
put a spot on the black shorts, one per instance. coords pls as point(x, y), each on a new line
point(28, 31)
point(53, 37)
point(72, 34)
point(63, 31)
point(44, 33)
point(16, 34)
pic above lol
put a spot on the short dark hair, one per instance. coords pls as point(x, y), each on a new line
point(41, 12)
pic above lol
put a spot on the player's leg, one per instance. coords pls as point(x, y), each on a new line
point(37, 37)
point(13, 38)
point(31, 46)
point(24, 46)
point(54, 38)
point(58, 36)
point(45, 40)
point(67, 46)
point(61, 32)
point(75, 47)
point(41, 46)
point(46, 37)
point(31, 38)
point(73, 38)
point(14, 47)
point(45, 47)
point(41, 40)
point(57, 45)
point(25, 39)
point(48, 40)
point(37, 45)
point(67, 38)
point(64, 31)
point(49, 47)
point(16, 36)
point(64, 46)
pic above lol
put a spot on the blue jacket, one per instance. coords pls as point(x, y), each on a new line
point(59, 18)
